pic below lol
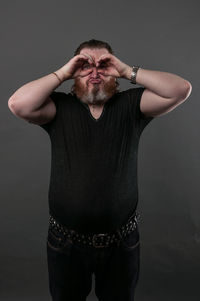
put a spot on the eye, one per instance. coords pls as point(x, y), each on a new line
point(103, 65)
point(86, 66)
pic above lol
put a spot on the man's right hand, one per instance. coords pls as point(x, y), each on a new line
point(32, 101)
point(74, 68)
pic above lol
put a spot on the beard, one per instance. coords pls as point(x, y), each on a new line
point(97, 94)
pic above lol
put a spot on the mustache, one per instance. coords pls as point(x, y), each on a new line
point(78, 85)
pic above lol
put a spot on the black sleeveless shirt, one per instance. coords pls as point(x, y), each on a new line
point(93, 183)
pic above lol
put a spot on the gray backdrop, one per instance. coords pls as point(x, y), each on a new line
point(36, 39)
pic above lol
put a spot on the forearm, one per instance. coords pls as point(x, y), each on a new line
point(164, 84)
point(31, 96)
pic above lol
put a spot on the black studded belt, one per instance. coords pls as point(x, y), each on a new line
point(96, 240)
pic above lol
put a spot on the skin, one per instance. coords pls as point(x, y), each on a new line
point(95, 94)
point(164, 91)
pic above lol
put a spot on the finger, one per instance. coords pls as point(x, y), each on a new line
point(107, 55)
point(106, 59)
point(84, 74)
point(84, 58)
point(87, 55)
point(81, 73)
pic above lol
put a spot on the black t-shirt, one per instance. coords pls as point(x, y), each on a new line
point(93, 184)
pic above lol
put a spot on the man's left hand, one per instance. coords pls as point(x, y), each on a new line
point(110, 65)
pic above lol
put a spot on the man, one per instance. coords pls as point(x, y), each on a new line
point(93, 194)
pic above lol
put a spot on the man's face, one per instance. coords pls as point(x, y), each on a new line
point(94, 88)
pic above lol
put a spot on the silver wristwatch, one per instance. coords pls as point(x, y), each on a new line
point(133, 74)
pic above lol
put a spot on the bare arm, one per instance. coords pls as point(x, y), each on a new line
point(32, 102)
point(164, 91)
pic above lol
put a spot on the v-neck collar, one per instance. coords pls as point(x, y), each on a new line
point(88, 109)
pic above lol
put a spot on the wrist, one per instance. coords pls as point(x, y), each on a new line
point(61, 74)
point(128, 72)
point(134, 74)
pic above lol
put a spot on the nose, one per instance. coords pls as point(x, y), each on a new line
point(95, 72)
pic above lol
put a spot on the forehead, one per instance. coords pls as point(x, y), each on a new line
point(95, 53)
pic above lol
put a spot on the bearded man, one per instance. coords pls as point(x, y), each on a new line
point(93, 194)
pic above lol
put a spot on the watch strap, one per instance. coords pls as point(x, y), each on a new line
point(134, 74)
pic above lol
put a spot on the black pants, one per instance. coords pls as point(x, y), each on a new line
point(70, 268)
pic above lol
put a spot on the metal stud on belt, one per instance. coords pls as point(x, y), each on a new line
point(97, 240)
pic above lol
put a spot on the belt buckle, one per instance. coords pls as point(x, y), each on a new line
point(93, 240)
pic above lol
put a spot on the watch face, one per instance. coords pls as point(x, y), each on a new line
point(133, 74)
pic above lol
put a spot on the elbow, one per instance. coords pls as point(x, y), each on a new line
point(185, 91)
point(188, 88)
point(14, 107)
point(11, 105)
